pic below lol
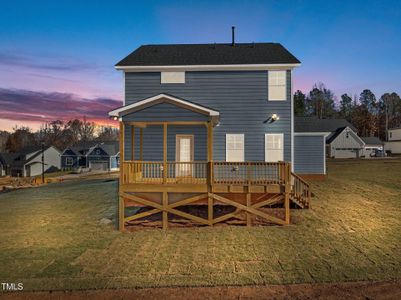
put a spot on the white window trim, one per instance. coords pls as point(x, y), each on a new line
point(167, 77)
point(243, 152)
point(282, 146)
point(69, 161)
point(270, 86)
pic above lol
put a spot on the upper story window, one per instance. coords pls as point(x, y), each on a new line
point(172, 77)
point(277, 85)
point(235, 150)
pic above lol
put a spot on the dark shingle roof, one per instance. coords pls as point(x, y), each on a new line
point(313, 124)
point(209, 54)
point(111, 148)
point(372, 140)
point(7, 158)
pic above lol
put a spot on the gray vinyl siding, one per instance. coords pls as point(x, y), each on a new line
point(241, 97)
point(309, 154)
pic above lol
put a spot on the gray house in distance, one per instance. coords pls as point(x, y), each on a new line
point(104, 157)
point(209, 118)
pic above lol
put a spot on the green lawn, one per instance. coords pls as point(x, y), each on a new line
point(51, 239)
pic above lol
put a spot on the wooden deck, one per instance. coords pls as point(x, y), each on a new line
point(247, 186)
point(165, 186)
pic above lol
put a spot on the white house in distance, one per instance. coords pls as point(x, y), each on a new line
point(393, 143)
point(345, 143)
point(28, 161)
point(342, 141)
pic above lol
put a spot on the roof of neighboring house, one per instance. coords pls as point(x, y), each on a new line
point(209, 54)
point(7, 158)
point(111, 148)
point(81, 148)
point(371, 140)
point(18, 159)
point(314, 124)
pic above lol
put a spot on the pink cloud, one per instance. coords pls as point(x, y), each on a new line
point(29, 107)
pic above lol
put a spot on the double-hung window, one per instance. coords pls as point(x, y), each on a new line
point(277, 85)
point(69, 161)
point(274, 147)
point(235, 147)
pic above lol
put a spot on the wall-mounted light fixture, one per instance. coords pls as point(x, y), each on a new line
point(272, 118)
point(114, 118)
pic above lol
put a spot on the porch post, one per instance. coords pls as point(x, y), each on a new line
point(132, 142)
point(209, 127)
point(164, 152)
point(209, 141)
point(140, 144)
point(121, 201)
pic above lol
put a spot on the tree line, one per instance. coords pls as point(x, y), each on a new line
point(371, 116)
point(58, 134)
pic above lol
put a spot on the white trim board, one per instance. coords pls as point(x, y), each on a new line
point(119, 112)
point(244, 67)
point(311, 133)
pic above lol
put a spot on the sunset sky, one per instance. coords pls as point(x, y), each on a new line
point(57, 57)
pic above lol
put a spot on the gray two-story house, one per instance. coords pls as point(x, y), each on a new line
point(212, 122)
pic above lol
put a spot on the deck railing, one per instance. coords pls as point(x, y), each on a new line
point(300, 191)
point(203, 172)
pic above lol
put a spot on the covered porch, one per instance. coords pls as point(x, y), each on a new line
point(166, 152)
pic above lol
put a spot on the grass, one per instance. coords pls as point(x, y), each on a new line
point(51, 238)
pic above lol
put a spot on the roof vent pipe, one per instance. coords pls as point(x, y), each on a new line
point(233, 36)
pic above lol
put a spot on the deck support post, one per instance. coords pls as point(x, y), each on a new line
point(210, 209)
point(287, 191)
point(165, 213)
point(121, 213)
point(121, 201)
point(248, 215)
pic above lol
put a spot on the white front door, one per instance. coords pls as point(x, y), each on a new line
point(184, 154)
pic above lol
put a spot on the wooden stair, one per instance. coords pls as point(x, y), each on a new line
point(300, 191)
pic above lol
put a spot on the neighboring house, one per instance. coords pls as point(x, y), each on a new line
point(341, 139)
point(104, 156)
point(208, 118)
point(345, 143)
point(393, 143)
point(76, 155)
point(94, 156)
point(3, 165)
point(6, 160)
point(371, 145)
point(28, 161)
